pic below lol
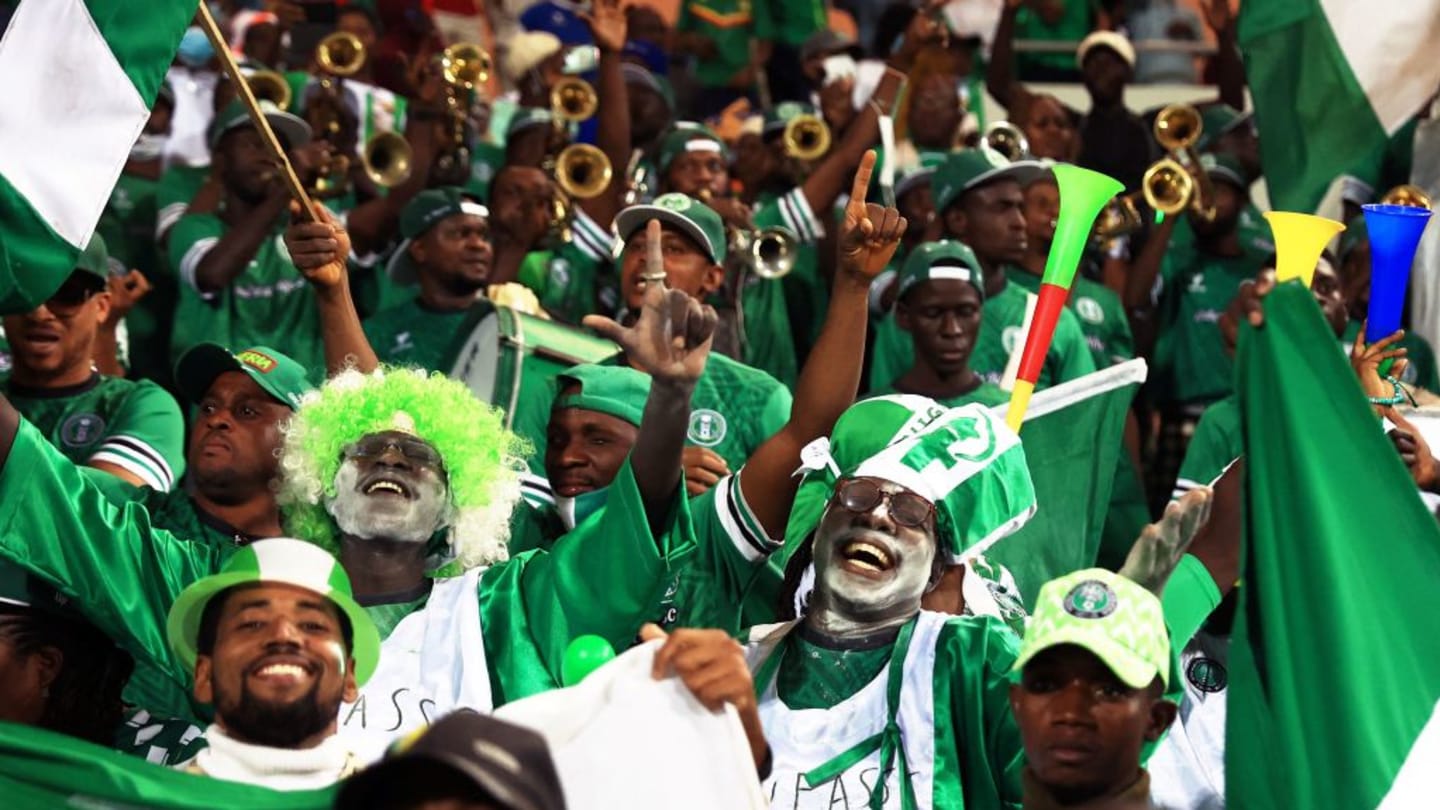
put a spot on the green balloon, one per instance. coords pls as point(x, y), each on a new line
point(584, 655)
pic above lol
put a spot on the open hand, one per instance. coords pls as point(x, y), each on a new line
point(1414, 451)
point(1365, 360)
point(318, 249)
point(607, 22)
point(1155, 554)
point(712, 666)
point(870, 233)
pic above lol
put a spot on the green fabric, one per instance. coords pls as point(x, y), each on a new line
point(789, 21)
point(268, 304)
point(143, 47)
point(34, 260)
point(574, 283)
point(1189, 597)
point(386, 616)
point(1099, 312)
point(694, 218)
point(1069, 356)
point(134, 424)
point(1073, 25)
point(816, 677)
point(1421, 368)
point(1192, 366)
point(42, 769)
point(1217, 442)
point(1255, 237)
point(128, 225)
point(1126, 516)
point(727, 23)
point(95, 258)
point(158, 740)
point(178, 186)
point(769, 342)
point(956, 257)
point(986, 394)
point(675, 141)
point(486, 159)
point(411, 334)
point(426, 209)
point(276, 374)
point(1113, 617)
point(1326, 703)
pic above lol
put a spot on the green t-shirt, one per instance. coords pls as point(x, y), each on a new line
point(1420, 370)
point(1256, 238)
point(132, 424)
point(1190, 354)
point(730, 25)
point(268, 304)
point(773, 332)
point(1000, 323)
point(178, 186)
point(1217, 442)
point(412, 335)
point(789, 21)
point(578, 281)
point(1073, 25)
point(128, 225)
point(1099, 312)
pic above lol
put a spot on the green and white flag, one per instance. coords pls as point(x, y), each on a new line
point(1072, 438)
point(1332, 80)
point(80, 79)
point(1335, 663)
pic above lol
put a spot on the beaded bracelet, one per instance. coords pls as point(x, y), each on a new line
point(1398, 398)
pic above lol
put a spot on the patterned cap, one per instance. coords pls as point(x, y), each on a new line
point(280, 560)
point(278, 374)
point(964, 460)
point(942, 259)
point(971, 168)
point(1119, 621)
point(694, 218)
point(619, 391)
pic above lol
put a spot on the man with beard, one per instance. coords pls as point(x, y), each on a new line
point(276, 642)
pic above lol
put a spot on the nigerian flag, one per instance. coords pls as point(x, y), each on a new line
point(1335, 664)
point(1072, 437)
point(80, 77)
point(1332, 80)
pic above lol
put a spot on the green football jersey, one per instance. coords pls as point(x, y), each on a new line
point(780, 316)
point(1217, 443)
point(128, 225)
point(413, 335)
point(789, 21)
point(177, 187)
point(1000, 323)
point(730, 25)
point(579, 280)
point(1099, 312)
point(268, 304)
point(1190, 354)
point(134, 425)
point(1256, 239)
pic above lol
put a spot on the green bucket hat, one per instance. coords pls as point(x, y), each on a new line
point(972, 168)
point(282, 377)
point(619, 391)
point(424, 211)
point(943, 259)
point(1224, 167)
point(1119, 621)
point(95, 259)
point(292, 128)
point(963, 460)
point(286, 561)
point(690, 139)
point(696, 219)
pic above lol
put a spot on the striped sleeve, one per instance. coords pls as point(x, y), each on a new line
point(796, 214)
point(167, 217)
point(591, 238)
point(191, 260)
point(536, 490)
point(137, 457)
point(739, 522)
point(146, 438)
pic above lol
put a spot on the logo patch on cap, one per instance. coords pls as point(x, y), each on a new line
point(673, 202)
point(1207, 675)
point(1091, 599)
point(259, 361)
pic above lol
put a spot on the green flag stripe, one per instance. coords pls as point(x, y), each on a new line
point(34, 260)
point(143, 37)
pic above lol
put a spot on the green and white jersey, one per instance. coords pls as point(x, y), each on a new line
point(576, 283)
point(178, 185)
point(1099, 312)
point(159, 740)
point(1190, 353)
point(987, 394)
point(1256, 239)
point(1001, 322)
point(1420, 370)
point(770, 326)
point(1217, 443)
point(132, 424)
point(412, 334)
point(268, 304)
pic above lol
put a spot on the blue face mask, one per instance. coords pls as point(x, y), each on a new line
point(195, 49)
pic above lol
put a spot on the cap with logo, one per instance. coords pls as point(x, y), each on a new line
point(292, 129)
point(694, 218)
point(783, 113)
point(619, 391)
point(1113, 40)
point(280, 376)
point(95, 259)
point(1118, 620)
point(283, 561)
point(970, 169)
point(1224, 167)
point(424, 211)
point(688, 139)
point(943, 259)
point(510, 764)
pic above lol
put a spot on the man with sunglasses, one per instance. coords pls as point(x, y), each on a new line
point(130, 429)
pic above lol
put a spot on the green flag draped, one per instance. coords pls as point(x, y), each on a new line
point(1335, 665)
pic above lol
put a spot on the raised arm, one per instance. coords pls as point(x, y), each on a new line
point(1000, 75)
point(828, 382)
point(824, 184)
point(1229, 69)
point(608, 28)
point(319, 250)
point(228, 258)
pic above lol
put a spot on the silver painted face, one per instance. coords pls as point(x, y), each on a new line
point(408, 505)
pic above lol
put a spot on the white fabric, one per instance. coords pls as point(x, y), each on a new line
point(1187, 770)
point(274, 768)
point(295, 562)
point(1418, 781)
point(940, 476)
point(70, 115)
point(621, 739)
point(804, 739)
point(1391, 55)
point(194, 108)
point(1425, 284)
point(431, 664)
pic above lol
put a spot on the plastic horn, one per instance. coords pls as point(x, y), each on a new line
point(1394, 235)
point(1299, 241)
point(1082, 194)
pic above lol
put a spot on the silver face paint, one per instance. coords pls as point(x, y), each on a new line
point(383, 516)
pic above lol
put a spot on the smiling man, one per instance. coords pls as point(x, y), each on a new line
point(276, 642)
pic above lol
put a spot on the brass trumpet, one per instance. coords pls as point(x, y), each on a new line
point(582, 171)
point(1119, 217)
point(465, 65)
point(769, 253)
point(1177, 128)
point(340, 54)
point(806, 137)
point(1007, 139)
point(573, 100)
point(1407, 194)
point(1168, 187)
point(386, 159)
point(267, 85)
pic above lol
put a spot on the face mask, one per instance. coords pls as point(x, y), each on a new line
point(149, 146)
point(838, 67)
point(195, 49)
point(573, 511)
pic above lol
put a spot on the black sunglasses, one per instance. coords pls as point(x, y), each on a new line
point(862, 495)
point(412, 449)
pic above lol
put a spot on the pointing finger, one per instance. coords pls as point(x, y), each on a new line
point(861, 187)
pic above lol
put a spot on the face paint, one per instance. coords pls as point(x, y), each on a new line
point(411, 519)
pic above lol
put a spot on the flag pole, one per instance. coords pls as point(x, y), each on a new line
point(257, 117)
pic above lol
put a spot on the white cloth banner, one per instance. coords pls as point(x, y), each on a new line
point(623, 739)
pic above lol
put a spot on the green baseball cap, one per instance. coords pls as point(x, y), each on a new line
point(783, 113)
point(1218, 119)
point(282, 377)
point(919, 175)
point(619, 391)
point(694, 218)
point(292, 128)
point(1224, 167)
point(424, 211)
point(1119, 621)
point(690, 139)
point(943, 259)
point(969, 169)
point(527, 117)
point(95, 259)
point(19, 589)
point(280, 560)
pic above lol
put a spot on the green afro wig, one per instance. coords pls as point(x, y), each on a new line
point(482, 459)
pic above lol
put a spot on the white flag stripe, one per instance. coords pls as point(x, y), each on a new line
point(1418, 782)
point(1390, 52)
point(70, 115)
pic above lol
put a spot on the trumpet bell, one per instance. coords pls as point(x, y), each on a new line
point(340, 54)
point(1119, 217)
point(1007, 139)
point(1178, 127)
point(772, 253)
point(465, 65)
point(267, 85)
point(1168, 188)
point(387, 159)
point(1407, 195)
point(807, 137)
point(583, 171)
point(573, 100)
